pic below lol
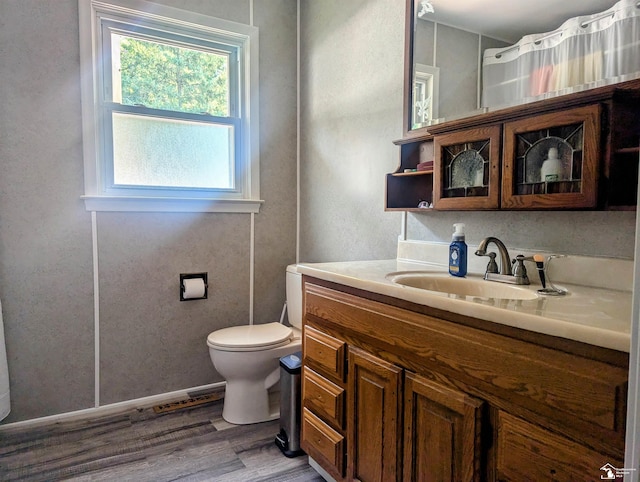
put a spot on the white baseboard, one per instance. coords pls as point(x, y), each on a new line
point(316, 466)
point(111, 408)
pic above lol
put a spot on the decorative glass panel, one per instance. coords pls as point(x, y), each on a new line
point(466, 169)
point(549, 161)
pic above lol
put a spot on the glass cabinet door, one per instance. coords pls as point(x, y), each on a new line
point(466, 170)
point(551, 160)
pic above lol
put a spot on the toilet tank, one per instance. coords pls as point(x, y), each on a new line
point(294, 296)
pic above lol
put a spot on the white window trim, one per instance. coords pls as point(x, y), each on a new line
point(431, 77)
point(95, 198)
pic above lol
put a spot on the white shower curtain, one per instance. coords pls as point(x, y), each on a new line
point(584, 52)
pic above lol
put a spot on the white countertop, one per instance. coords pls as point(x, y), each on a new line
point(596, 316)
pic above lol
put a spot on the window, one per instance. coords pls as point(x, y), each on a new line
point(425, 95)
point(167, 97)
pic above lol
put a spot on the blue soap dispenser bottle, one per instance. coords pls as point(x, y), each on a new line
point(458, 252)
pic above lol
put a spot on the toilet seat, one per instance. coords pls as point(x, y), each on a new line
point(250, 337)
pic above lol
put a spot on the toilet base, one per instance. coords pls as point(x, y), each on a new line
point(251, 377)
point(244, 403)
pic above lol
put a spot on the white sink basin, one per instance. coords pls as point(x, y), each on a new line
point(477, 288)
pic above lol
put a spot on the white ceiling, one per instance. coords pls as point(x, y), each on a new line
point(511, 19)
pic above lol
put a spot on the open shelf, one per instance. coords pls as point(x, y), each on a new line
point(413, 173)
point(628, 150)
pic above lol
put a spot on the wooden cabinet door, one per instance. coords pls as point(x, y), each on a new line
point(441, 432)
point(528, 452)
point(374, 434)
point(467, 169)
point(569, 140)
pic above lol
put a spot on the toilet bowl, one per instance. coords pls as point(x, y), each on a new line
point(248, 358)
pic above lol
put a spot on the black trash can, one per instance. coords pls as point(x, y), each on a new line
point(289, 437)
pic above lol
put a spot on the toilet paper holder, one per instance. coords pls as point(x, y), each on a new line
point(184, 295)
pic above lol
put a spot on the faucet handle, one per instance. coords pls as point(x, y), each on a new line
point(492, 267)
point(520, 258)
point(520, 270)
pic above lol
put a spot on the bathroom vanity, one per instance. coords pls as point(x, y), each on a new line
point(400, 384)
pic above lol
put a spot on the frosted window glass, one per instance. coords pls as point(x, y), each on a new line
point(149, 151)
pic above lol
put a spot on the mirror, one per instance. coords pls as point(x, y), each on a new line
point(444, 50)
point(443, 68)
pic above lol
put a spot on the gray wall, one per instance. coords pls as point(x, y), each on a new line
point(351, 110)
point(149, 342)
point(351, 113)
point(589, 233)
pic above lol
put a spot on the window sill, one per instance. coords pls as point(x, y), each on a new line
point(163, 204)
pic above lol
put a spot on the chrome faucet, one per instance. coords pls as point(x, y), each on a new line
point(505, 275)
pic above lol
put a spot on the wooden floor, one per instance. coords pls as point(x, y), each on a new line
point(190, 444)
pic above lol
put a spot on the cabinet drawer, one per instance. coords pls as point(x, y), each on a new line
point(528, 452)
point(319, 438)
point(324, 353)
point(323, 397)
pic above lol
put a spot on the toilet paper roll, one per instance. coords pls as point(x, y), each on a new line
point(193, 288)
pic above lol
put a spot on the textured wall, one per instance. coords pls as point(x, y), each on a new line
point(46, 280)
point(351, 110)
point(588, 233)
point(275, 236)
point(150, 342)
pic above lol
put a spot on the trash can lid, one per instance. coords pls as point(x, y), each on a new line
point(292, 362)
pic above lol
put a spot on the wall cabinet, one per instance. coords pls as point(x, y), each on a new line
point(392, 392)
point(579, 151)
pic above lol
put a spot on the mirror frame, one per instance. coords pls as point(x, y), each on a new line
point(407, 98)
point(407, 110)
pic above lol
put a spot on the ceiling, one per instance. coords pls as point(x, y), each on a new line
point(511, 19)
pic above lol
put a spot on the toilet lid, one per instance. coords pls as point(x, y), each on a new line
point(250, 336)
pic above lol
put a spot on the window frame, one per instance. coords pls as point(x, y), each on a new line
point(426, 86)
point(100, 192)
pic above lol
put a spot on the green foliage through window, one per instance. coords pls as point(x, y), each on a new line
point(161, 76)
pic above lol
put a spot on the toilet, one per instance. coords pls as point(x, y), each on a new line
point(248, 357)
